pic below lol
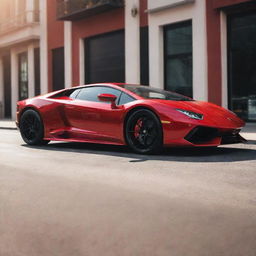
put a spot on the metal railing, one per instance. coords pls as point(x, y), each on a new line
point(66, 8)
point(19, 21)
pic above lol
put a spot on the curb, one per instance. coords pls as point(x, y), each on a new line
point(8, 128)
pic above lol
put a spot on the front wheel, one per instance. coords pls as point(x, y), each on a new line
point(32, 128)
point(143, 132)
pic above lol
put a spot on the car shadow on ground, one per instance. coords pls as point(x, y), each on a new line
point(230, 153)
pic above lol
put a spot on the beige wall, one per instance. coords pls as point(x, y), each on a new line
point(7, 9)
point(157, 20)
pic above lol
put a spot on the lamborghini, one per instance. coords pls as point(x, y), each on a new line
point(142, 117)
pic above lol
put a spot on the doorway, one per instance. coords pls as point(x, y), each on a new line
point(241, 64)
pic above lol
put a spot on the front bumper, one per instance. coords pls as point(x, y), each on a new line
point(202, 135)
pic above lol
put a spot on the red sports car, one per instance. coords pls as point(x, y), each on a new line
point(142, 117)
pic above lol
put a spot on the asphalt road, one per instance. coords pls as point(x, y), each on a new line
point(91, 200)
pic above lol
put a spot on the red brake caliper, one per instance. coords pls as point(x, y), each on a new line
point(137, 128)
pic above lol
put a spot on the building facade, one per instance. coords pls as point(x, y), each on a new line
point(19, 53)
point(200, 48)
point(231, 44)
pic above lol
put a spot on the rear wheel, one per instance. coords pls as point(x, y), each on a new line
point(31, 128)
point(143, 132)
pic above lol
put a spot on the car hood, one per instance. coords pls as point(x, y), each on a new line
point(213, 114)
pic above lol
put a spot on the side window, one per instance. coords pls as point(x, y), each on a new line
point(91, 93)
point(125, 98)
point(74, 93)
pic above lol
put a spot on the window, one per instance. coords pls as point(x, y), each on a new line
point(241, 64)
point(7, 88)
point(23, 76)
point(144, 56)
point(125, 98)
point(73, 93)
point(178, 58)
point(91, 93)
point(153, 93)
point(37, 71)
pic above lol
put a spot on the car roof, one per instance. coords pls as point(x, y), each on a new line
point(122, 85)
point(119, 86)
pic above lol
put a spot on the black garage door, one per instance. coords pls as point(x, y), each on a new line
point(58, 69)
point(241, 64)
point(104, 58)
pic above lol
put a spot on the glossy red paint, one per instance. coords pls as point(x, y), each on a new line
point(67, 119)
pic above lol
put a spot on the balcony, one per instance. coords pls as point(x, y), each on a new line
point(79, 9)
point(157, 5)
point(20, 21)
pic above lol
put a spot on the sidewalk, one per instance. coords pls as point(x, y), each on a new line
point(8, 125)
point(248, 132)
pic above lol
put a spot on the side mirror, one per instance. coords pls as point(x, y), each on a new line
point(108, 98)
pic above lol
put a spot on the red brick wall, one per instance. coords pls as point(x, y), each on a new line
point(225, 3)
point(214, 46)
point(55, 35)
point(90, 26)
point(143, 14)
point(214, 53)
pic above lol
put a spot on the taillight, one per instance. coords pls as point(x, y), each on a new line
point(18, 107)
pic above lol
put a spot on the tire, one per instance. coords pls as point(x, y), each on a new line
point(143, 132)
point(32, 128)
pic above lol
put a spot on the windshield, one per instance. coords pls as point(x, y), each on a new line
point(153, 93)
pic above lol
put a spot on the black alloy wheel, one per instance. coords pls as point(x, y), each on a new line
point(143, 132)
point(31, 128)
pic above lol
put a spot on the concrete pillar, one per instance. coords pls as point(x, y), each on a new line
point(43, 47)
point(15, 10)
point(200, 54)
point(30, 11)
point(224, 59)
point(14, 82)
point(156, 56)
point(81, 62)
point(1, 89)
point(132, 42)
point(31, 71)
point(68, 53)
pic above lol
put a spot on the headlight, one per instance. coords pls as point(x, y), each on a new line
point(191, 114)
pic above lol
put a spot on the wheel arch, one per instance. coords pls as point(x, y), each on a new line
point(28, 108)
point(131, 111)
point(39, 134)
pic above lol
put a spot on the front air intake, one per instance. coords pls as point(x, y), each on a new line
point(202, 134)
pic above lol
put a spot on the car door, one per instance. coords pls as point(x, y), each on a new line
point(94, 120)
